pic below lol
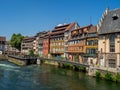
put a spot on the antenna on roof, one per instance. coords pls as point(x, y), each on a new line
point(90, 20)
point(108, 4)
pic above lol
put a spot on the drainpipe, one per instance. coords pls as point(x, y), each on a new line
point(119, 50)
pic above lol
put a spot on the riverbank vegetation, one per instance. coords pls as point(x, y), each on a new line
point(72, 67)
point(108, 76)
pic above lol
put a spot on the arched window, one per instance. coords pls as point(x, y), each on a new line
point(112, 43)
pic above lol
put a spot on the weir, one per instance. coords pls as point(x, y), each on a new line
point(26, 60)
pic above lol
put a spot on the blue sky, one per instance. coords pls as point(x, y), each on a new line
point(31, 16)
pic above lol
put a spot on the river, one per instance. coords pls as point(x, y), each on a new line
point(48, 77)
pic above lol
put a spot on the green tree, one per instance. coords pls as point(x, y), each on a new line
point(16, 41)
point(31, 52)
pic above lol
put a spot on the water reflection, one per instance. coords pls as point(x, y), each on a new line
point(47, 77)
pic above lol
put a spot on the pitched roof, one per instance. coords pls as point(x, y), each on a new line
point(2, 38)
point(47, 35)
point(62, 28)
point(93, 29)
point(111, 22)
point(70, 26)
point(28, 39)
point(81, 28)
point(84, 29)
point(41, 33)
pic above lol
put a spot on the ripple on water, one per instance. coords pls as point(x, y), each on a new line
point(9, 67)
point(47, 77)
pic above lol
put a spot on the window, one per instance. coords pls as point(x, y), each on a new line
point(115, 16)
point(92, 34)
point(112, 63)
point(91, 51)
point(87, 50)
point(112, 43)
point(96, 42)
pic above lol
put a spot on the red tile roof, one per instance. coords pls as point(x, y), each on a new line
point(93, 29)
point(70, 26)
point(62, 29)
point(86, 26)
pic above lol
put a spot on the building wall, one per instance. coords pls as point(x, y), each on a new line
point(92, 46)
point(2, 47)
point(36, 45)
point(46, 47)
point(26, 47)
point(2, 44)
point(77, 44)
point(104, 51)
point(76, 50)
point(39, 42)
point(57, 47)
point(67, 36)
point(40, 47)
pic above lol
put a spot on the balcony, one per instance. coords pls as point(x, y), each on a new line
point(74, 51)
point(90, 55)
point(56, 46)
point(56, 52)
point(66, 34)
point(89, 46)
point(73, 45)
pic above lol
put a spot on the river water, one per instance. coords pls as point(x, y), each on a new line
point(47, 77)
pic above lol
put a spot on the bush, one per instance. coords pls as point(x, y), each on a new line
point(82, 68)
point(66, 66)
point(117, 77)
point(98, 74)
point(108, 76)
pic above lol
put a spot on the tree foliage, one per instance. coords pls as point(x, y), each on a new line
point(16, 41)
point(31, 52)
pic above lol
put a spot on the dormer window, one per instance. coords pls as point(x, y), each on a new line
point(115, 17)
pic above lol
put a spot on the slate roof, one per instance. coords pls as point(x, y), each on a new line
point(109, 25)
